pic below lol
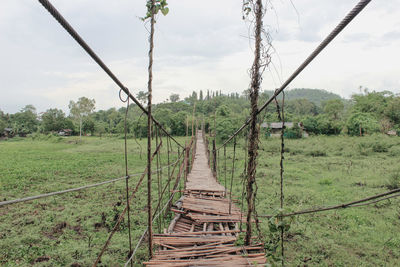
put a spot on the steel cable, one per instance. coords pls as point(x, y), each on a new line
point(64, 23)
point(345, 21)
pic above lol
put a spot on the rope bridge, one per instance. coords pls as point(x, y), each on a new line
point(208, 221)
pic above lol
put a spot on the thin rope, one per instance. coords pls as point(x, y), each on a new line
point(18, 200)
point(126, 172)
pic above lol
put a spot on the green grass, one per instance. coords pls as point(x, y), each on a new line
point(70, 228)
point(319, 171)
point(322, 171)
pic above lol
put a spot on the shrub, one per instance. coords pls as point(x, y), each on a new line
point(394, 180)
point(362, 123)
point(394, 151)
point(325, 182)
point(380, 147)
point(316, 153)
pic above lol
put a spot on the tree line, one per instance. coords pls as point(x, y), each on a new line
point(318, 111)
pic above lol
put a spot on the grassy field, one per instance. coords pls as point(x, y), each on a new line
point(69, 230)
point(322, 171)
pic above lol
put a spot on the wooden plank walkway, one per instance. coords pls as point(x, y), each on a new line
point(203, 232)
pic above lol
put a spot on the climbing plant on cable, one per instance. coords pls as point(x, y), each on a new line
point(159, 5)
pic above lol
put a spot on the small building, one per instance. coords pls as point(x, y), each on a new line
point(65, 132)
point(276, 128)
point(8, 132)
point(391, 133)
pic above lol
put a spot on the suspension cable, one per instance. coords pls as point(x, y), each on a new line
point(345, 21)
point(64, 23)
point(357, 203)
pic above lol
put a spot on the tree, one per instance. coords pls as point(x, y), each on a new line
point(371, 102)
point(174, 98)
point(360, 123)
point(223, 111)
point(201, 95)
point(25, 121)
point(81, 109)
point(142, 97)
point(53, 120)
point(178, 123)
point(392, 111)
point(301, 107)
point(225, 127)
point(88, 125)
point(3, 125)
point(334, 108)
point(100, 127)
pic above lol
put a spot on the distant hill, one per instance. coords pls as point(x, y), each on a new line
point(317, 96)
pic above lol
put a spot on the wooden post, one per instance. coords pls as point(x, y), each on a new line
point(187, 162)
point(149, 131)
point(187, 126)
point(214, 158)
point(253, 140)
point(194, 110)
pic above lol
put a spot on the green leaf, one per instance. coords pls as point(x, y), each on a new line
point(165, 11)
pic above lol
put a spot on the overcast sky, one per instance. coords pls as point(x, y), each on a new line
point(198, 45)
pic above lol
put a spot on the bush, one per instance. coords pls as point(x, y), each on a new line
point(316, 153)
point(394, 181)
point(362, 123)
point(394, 151)
point(293, 133)
point(380, 147)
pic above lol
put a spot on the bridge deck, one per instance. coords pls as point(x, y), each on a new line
point(205, 228)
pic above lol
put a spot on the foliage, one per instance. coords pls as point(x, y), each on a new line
point(159, 5)
point(174, 98)
point(361, 123)
point(225, 127)
point(294, 132)
point(392, 110)
point(3, 125)
point(54, 120)
point(320, 112)
point(394, 180)
point(142, 97)
point(88, 125)
point(316, 96)
point(81, 109)
point(333, 108)
point(25, 121)
point(321, 124)
point(302, 107)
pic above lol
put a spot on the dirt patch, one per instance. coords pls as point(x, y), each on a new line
point(42, 259)
point(359, 184)
point(58, 230)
